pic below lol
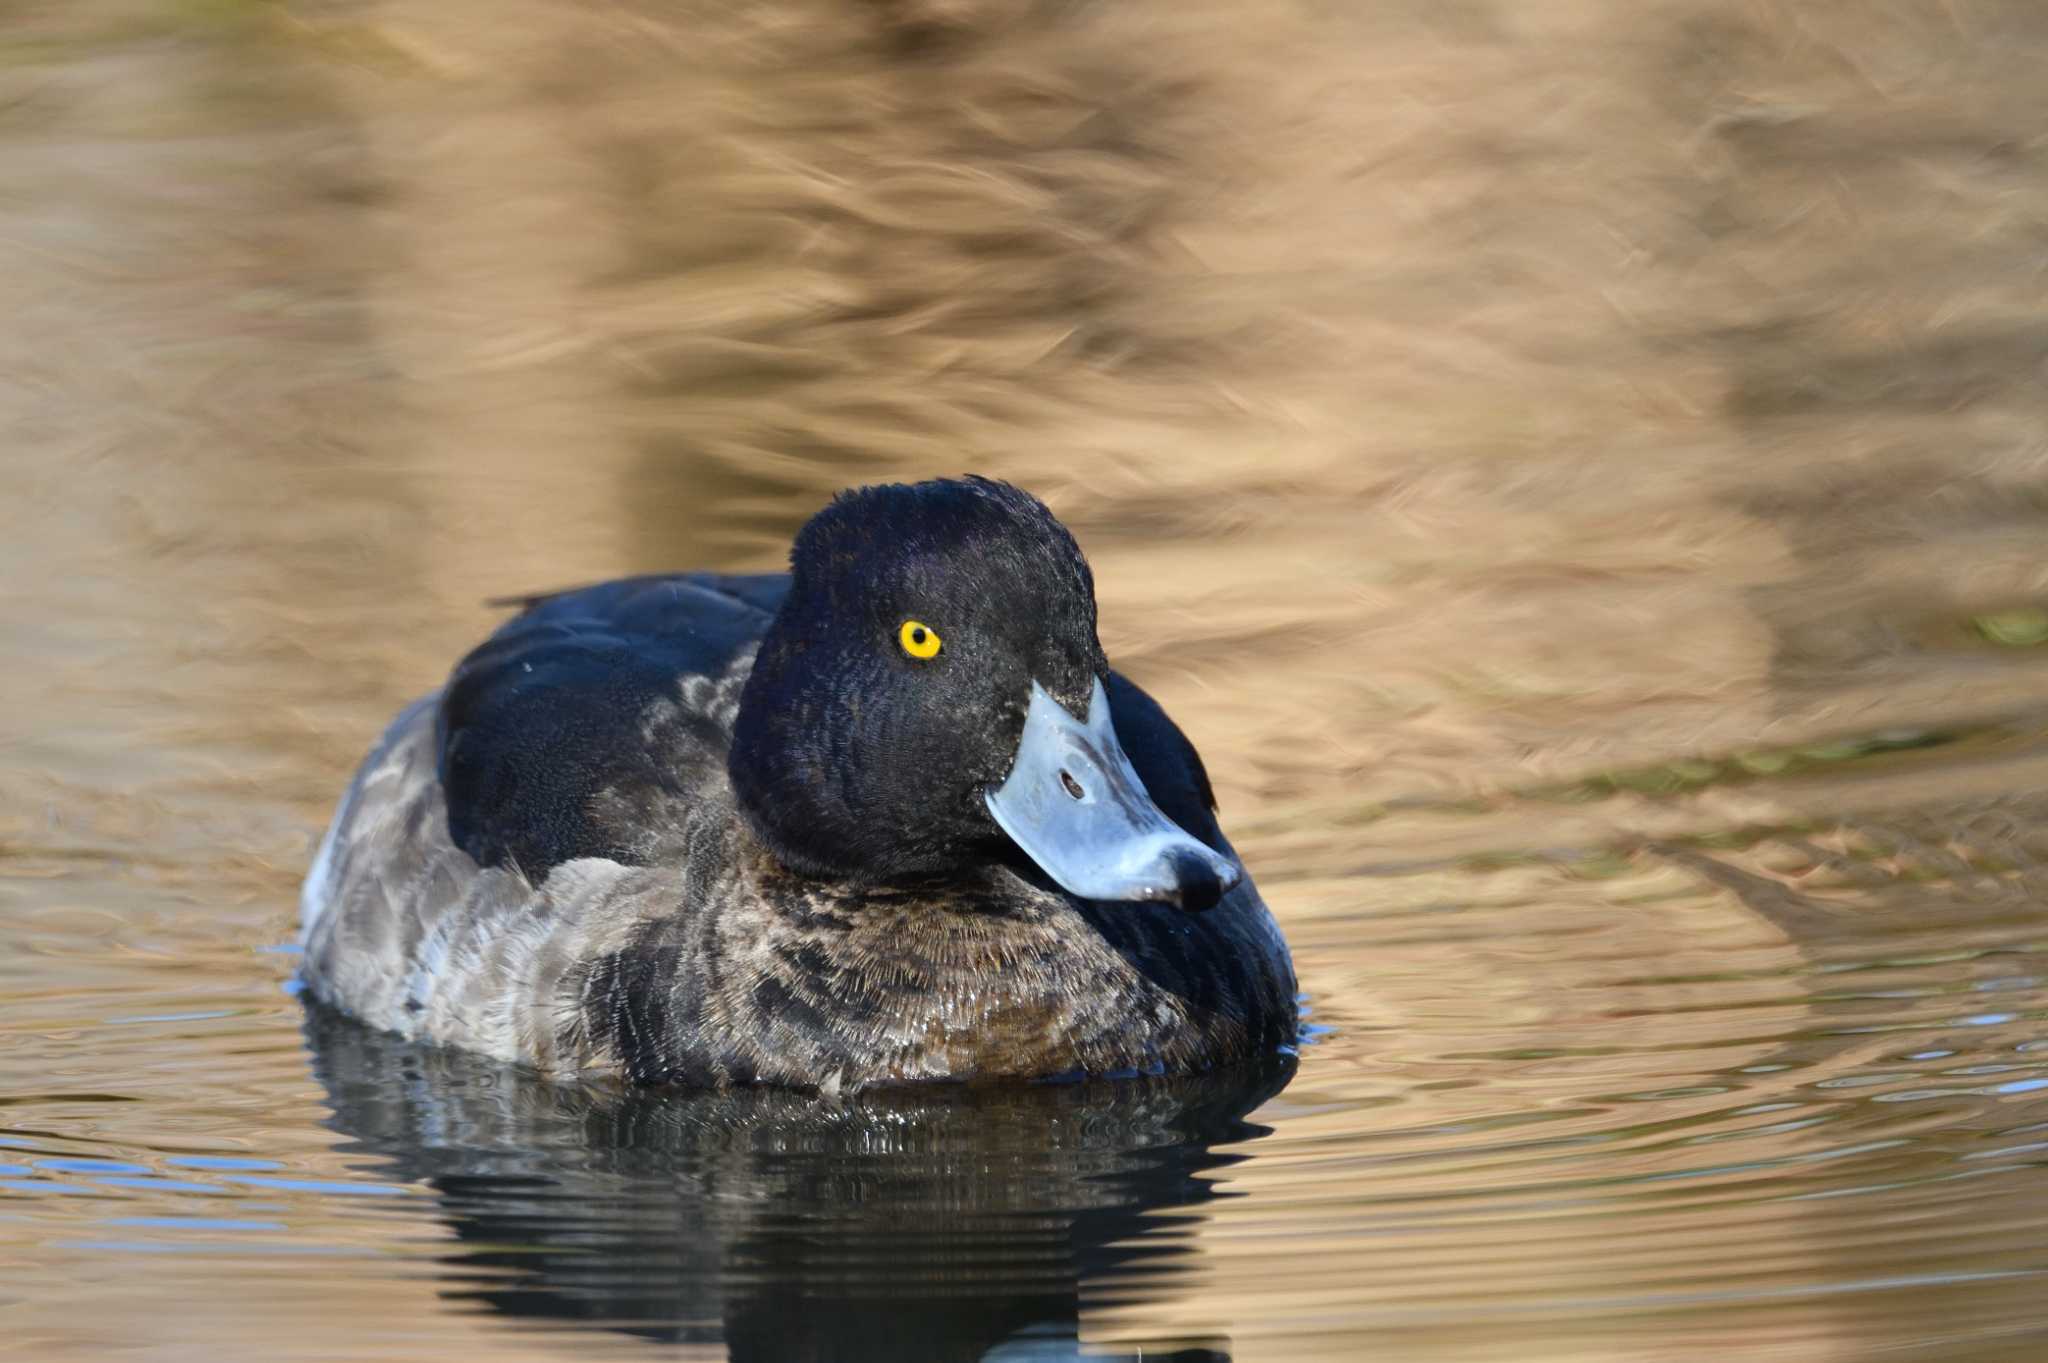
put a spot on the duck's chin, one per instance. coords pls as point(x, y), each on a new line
point(882, 857)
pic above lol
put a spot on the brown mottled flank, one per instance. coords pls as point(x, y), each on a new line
point(713, 965)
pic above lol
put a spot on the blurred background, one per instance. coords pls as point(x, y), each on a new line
point(1579, 472)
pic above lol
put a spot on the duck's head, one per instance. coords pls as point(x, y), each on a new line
point(933, 687)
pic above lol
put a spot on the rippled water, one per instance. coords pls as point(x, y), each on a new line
point(1577, 471)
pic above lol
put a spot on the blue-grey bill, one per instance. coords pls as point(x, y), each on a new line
point(1075, 805)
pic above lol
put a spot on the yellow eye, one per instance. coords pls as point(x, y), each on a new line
point(918, 639)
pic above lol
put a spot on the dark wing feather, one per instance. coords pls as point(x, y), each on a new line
point(1165, 760)
point(567, 723)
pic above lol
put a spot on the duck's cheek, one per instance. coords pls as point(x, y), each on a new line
point(1075, 805)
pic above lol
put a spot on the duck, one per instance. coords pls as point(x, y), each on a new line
point(888, 818)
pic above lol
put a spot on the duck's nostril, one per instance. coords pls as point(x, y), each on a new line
point(1073, 787)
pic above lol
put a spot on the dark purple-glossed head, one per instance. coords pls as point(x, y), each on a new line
point(933, 686)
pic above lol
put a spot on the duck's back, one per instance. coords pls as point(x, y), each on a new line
point(514, 826)
point(577, 726)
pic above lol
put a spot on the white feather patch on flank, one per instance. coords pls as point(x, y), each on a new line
point(584, 878)
point(429, 969)
point(386, 761)
point(318, 890)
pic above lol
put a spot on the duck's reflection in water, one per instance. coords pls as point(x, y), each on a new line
point(930, 1223)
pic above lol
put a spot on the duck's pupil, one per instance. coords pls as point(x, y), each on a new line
point(1073, 787)
point(917, 636)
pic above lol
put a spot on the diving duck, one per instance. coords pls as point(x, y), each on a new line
point(889, 817)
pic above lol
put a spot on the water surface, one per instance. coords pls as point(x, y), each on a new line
point(1575, 470)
